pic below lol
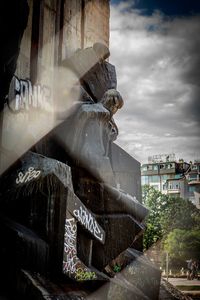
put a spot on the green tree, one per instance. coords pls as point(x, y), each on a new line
point(152, 200)
point(179, 213)
point(182, 245)
point(167, 213)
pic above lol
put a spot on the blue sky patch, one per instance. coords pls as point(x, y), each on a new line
point(167, 7)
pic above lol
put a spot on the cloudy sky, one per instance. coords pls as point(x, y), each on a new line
point(156, 51)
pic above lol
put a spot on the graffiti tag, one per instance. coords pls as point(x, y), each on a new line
point(82, 275)
point(23, 95)
point(72, 266)
point(89, 222)
point(70, 253)
point(28, 176)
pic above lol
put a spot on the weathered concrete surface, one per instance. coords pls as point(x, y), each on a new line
point(169, 292)
point(139, 279)
point(96, 75)
point(126, 170)
point(96, 22)
point(184, 282)
point(38, 193)
point(187, 283)
point(11, 35)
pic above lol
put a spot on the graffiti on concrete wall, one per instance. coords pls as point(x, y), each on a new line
point(27, 176)
point(70, 253)
point(82, 275)
point(89, 222)
point(72, 265)
point(86, 218)
point(23, 95)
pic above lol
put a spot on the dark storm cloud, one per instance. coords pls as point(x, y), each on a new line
point(158, 76)
point(192, 109)
point(187, 30)
point(170, 8)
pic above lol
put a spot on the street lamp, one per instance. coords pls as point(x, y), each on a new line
point(167, 265)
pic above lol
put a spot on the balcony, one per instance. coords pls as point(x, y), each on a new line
point(173, 191)
point(193, 179)
point(149, 170)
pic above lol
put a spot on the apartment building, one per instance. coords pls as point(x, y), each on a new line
point(171, 177)
point(193, 179)
point(166, 175)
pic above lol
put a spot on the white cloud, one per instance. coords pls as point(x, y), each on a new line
point(157, 63)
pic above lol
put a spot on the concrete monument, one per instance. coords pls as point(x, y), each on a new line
point(65, 219)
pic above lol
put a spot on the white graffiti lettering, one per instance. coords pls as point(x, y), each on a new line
point(70, 258)
point(72, 266)
point(88, 221)
point(28, 176)
point(23, 95)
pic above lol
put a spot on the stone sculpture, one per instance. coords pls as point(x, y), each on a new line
point(62, 209)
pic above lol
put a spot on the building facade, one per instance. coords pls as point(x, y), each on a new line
point(193, 179)
point(164, 175)
point(179, 179)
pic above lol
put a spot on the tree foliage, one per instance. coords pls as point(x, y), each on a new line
point(182, 245)
point(152, 200)
point(167, 213)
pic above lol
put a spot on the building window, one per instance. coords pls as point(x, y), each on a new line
point(165, 177)
point(170, 166)
point(177, 176)
point(149, 167)
point(193, 177)
point(145, 180)
point(154, 179)
point(155, 167)
point(191, 188)
point(144, 168)
point(174, 185)
point(194, 167)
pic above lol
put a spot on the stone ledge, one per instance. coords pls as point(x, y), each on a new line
point(169, 292)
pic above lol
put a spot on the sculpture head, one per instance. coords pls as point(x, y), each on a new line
point(112, 101)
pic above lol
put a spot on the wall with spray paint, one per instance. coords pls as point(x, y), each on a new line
point(55, 29)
